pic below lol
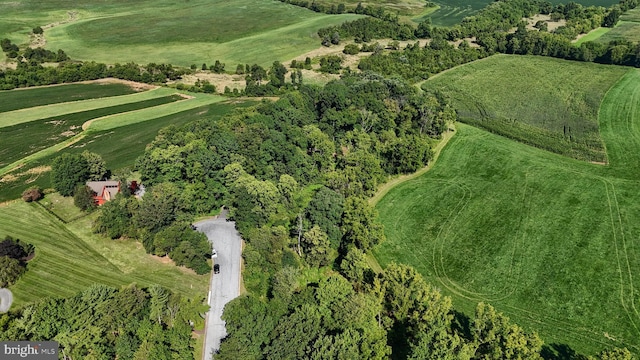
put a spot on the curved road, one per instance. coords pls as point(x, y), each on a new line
point(224, 286)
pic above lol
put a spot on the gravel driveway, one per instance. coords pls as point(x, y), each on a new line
point(224, 286)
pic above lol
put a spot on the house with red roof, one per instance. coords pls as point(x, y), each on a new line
point(104, 190)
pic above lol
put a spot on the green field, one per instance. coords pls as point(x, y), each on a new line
point(545, 102)
point(161, 31)
point(25, 139)
point(593, 35)
point(550, 241)
point(69, 258)
point(24, 115)
point(624, 30)
point(46, 95)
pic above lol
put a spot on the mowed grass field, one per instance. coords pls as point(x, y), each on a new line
point(545, 102)
point(550, 241)
point(69, 258)
point(162, 31)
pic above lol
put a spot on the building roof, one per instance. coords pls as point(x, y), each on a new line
point(97, 186)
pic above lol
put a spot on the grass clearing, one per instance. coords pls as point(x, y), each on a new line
point(69, 258)
point(550, 241)
point(27, 98)
point(591, 35)
point(25, 139)
point(545, 102)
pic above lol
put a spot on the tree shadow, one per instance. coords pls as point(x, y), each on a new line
point(560, 352)
point(462, 324)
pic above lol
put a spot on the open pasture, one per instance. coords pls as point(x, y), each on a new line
point(545, 102)
point(550, 241)
point(162, 31)
point(21, 140)
point(47, 95)
point(69, 258)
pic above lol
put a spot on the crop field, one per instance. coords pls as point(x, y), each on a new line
point(46, 95)
point(180, 33)
point(550, 241)
point(545, 102)
point(27, 138)
point(119, 147)
point(69, 258)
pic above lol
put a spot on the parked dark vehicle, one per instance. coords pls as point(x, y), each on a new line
point(216, 268)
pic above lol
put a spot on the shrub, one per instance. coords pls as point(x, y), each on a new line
point(32, 194)
point(83, 198)
point(10, 271)
point(351, 49)
point(37, 30)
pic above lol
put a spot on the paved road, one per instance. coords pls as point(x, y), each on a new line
point(224, 286)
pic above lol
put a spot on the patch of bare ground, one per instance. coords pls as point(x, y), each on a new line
point(167, 260)
point(137, 86)
point(220, 81)
point(551, 25)
point(34, 174)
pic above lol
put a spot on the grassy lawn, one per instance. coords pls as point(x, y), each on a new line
point(61, 207)
point(545, 102)
point(548, 240)
point(69, 258)
point(119, 146)
point(25, 139)
point(27, 98)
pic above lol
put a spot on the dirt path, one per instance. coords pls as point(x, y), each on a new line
point(38, 40)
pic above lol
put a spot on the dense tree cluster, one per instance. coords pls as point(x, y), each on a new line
point(13, 260)
point(69, 171)
point(105, 323)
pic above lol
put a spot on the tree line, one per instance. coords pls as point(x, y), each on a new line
point(29, 70)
